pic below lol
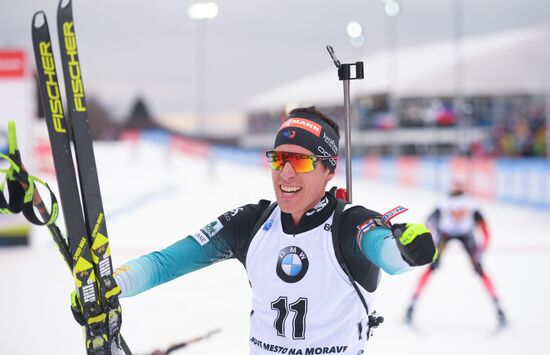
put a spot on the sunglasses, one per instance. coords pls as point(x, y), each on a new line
point(301, 163)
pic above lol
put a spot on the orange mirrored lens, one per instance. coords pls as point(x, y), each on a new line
point(301, 163)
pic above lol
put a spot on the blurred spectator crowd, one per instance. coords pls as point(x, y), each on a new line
point(514, 125)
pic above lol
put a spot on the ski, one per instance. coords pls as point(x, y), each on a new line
point(26, 182)
point(84, 275)
point(94, 215)
point(28, 198)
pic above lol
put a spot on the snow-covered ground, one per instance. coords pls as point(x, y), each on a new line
point(153, 199)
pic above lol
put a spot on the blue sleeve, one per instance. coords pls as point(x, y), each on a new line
point(162, 266)
point(223, 238)
point(379, 246)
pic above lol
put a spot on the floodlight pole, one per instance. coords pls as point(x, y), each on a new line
point(347, 72)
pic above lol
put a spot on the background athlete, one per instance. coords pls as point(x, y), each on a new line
point(458, 218)
point(302, 299)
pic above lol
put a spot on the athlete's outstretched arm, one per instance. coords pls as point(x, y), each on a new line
point(159, 267)
point(379, 247)
point(223, 238)
point(393, 250)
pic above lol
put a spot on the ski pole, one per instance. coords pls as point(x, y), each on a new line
point(347, 72)
point(186, 343)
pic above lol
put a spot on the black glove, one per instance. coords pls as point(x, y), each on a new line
point(76, 308)
point(415, 243)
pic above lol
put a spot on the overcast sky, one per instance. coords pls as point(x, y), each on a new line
point(150, 48)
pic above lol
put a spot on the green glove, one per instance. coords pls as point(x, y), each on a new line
point(415, 243)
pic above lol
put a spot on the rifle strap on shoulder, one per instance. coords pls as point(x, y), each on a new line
point(258, 224)
point(340, 204)
point(374, 320)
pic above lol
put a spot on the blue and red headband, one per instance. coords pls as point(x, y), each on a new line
point(312, 133)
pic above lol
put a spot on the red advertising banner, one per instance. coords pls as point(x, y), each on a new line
point(371, 167)
point(408, 171)
point(478, 173)
point(12, 64)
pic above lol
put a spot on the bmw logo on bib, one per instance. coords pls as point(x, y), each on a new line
point(292, 264)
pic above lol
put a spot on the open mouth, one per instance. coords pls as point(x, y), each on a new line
point(290, 189)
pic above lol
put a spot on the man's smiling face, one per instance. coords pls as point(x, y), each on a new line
point(296, 193)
